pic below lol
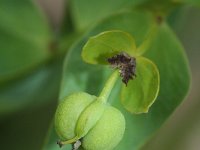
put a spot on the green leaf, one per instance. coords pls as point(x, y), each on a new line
point(193, 2)
point(32, 90)
point(107, 44)
point(168, 55)
point(142, 91)
point(30, 124)
point(24, 38)
point(88, 12)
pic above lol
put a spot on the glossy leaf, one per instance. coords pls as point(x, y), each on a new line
point(166, 52)
point(104, 45)
point(24, 38)
point(141, 92)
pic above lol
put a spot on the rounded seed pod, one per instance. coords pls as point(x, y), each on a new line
point(68, 112)
point(89, 117)
point(107, 132)
point(84, 117)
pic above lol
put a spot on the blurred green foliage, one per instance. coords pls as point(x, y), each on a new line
point(24, 38)
point(32, 57)
point(139, 127)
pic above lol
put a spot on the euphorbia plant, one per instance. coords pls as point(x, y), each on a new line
point(120, 48)
point(137, 32)
point(155, 45)
point(88, 119)
point(147, 43)
point(127, 39)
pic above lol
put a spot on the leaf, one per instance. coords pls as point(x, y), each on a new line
point(33, 90)
point(166, 52)
point(29, 124)
point(193, 2)
point(106, 44)
point(88, 12)
point(24, 38)
point(142, 91)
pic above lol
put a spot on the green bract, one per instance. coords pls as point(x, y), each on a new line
point(142, 91)
point(107, 44)
point(84, 117)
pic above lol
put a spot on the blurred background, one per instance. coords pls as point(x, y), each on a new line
point(180, 132)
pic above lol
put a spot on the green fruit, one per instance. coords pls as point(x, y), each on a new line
point(84, 117)
point(68, 112)
point(107, 133)
point(89, 117)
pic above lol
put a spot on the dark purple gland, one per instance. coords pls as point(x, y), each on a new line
point(126, 65)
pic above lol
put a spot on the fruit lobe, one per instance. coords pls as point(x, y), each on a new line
point(89, 117)
point(84, 117)
point(68, 112)
point(108, 131)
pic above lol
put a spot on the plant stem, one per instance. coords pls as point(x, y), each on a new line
point(108, 86)
point(68, 141)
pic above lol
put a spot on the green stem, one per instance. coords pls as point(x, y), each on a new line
point(109, 86)
point(68, 141)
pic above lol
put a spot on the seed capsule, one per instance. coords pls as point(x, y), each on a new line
point(89, 117)
point(84, 117)
point(68, 112)
point(107, 133)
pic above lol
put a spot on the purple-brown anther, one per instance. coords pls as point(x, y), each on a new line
point(126, 65)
